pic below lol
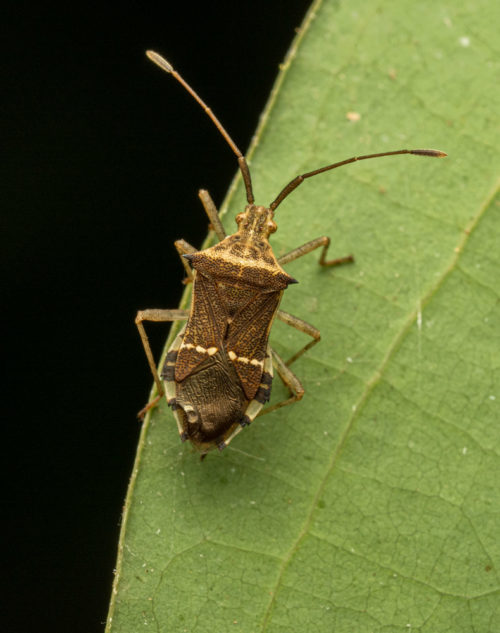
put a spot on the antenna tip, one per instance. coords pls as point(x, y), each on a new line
point(433, 153)
point(160, 61)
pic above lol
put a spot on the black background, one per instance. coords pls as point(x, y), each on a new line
point(103, 157)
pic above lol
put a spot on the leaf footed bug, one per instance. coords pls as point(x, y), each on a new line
point(218, 372)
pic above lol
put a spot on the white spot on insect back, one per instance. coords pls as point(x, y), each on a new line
point(245, 360)
point(201, 350)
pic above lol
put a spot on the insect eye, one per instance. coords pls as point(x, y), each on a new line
point(272, 226)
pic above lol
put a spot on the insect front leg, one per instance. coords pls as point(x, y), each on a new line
point(158, 316)
point(213, 214)
point(323, 241)
point(184, 248)
point(290, 381)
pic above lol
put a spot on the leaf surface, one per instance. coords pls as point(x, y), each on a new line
point(373, 504)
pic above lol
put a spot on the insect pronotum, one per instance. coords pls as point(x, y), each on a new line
point(218, 371)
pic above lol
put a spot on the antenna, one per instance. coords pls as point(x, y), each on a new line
point(298, 180)
point(168, 68)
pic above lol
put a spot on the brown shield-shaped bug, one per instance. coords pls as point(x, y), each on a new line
point(218, 371)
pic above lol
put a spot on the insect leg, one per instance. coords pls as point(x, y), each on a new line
point(290, 381)
point(233, 434)
point(323, 241)
point(213, 215)
point(302, 326)
point(184, 248)
point(159, 316)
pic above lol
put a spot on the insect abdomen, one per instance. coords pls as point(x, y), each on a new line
point(211, 399)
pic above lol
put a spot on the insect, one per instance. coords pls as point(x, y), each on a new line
point(218, 372)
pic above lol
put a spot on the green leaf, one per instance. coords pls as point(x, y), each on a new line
point(373, 504)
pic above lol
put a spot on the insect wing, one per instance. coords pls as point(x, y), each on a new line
point(247, 339)
point(205, 328)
